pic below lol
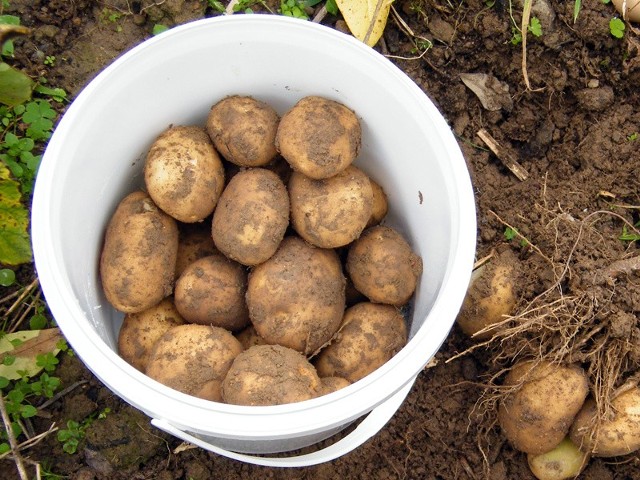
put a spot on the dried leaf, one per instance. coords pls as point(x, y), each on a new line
point(492, 93)
point(365, 18)
point(15, 244)
point(23, 349)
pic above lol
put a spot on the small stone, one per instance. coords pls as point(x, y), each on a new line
point(595, 99)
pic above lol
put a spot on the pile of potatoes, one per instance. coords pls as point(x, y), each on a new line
point(547, 411)
point(253, 268)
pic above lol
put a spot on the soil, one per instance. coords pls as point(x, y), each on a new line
point(574, 135)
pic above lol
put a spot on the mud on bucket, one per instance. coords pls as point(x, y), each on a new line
point(95, 158)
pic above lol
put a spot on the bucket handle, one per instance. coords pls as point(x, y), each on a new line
point(376, 419)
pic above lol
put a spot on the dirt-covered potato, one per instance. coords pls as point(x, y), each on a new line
point(331, 212)
point(194, 359)
point(380, 204)
point(332, 384)
point(138, 259)
point(184, 174)
point(211, 291)
point(565, 461)
point(382, 265)
point(618, 434)
point(194, 242)
point(140, 331)
point(248, 337)
point(297, 298)
point(537, 414)
point(252, 216)
point(319, 137)
point(243, 130)
point(370, 334)
point(491, 295)
point(270, 375)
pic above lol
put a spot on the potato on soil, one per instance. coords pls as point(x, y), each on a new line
point(138, 259)
point(183, 173)
point(211, 291)
point(252, 216)
point(319, 137)
point(140, 331)
point(565, 461)
point(369, 336)
point(382, 265)
point(537, 415)
point(380, 204)
point(331, 212)
point(194, 242)
point(332, 384)
point(491, 295)
point(194, 359)
point(297, 297)
point(243, 130)
point(270, 375)
point(618, 434)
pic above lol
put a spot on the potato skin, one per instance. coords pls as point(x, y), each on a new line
point(380, 204)
point(183, 173)
point(194, 359)
point(491, 295)
point(297, 297)
point(332, 384)
point(211, 291)
point(248, 337)
point(194, 242)
point(138, 259)
point(370, 335)
point(140, 331)
point(270, 375)
point(243, 130)
point(537, 415)
point(565, 461)
point(319, 137)
point(617, 435)
point(331, 212)
point(252, 216)
point(383, 267)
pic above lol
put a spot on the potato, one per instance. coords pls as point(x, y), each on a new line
point(331, 212)
point(211, 291)
point(563, 462)
point(491, 295)
point(629, 9)
point(383, 267)
point(297, 297)
point(617, 435)
point(252, 216)
point(370, 334)
point(140, 331)
point(537, 415)
point(332, 384)
point(194, 242)
point(243, 130)
point(248, 337)
point(270, 375)
point(319, 137)
point(194, 359)
point(138, 259)
point(183, 173)
point(380, 204)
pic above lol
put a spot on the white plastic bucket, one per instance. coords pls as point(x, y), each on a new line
point(95, 157)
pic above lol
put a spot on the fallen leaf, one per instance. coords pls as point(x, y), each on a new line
point(23, 348)
point(365, 18)
point(492, 93)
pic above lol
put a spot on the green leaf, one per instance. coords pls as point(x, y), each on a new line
point(4, 382)
point(15, 244)
point(158, 28)
point(4, 448)
point(15, 86)
point(58, 94)
point(332, 7)
point(28, 411)
point(7, 277)
point(616, 26)
point(535, 27)
point(7, 48)
point(34, 354)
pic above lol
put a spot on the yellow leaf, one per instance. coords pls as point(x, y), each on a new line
point(365, 18)
point(24, 347)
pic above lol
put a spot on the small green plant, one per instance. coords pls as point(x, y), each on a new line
point(293, 8)
point(7, 277)
point(512, 233)
point(71, 436)
point(627, 236)
point(108, 15)
point(158, 28)
point(216, 5)
point(535, 28)
point(50, 60)
point(616, 27)
point(633, 137)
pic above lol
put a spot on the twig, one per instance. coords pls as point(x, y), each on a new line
point(31, 441)
point(23, 315)
point(61, 394)
point(507, 158)
point(13, 443)
point(22, 296)
point(526, 14)
point(320, 14)
point(230, 7)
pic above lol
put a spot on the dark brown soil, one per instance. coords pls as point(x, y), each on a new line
point(576, 135)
